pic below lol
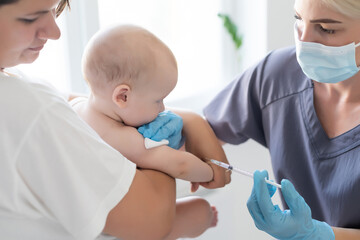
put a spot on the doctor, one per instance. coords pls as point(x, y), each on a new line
point(58, 179)
point(303, 104)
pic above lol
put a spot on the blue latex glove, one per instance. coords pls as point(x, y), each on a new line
point(168, 126)
point(271, 189)
point(295, 223)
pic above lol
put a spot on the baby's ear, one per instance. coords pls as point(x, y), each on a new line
point(121, 95)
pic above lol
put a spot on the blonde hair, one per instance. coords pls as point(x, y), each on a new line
point(350, 8)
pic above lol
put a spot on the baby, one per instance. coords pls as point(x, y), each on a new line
point(130, 71)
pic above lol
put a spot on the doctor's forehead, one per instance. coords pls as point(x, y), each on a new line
point(317, 11)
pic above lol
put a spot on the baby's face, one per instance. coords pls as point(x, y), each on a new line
point(146, 101)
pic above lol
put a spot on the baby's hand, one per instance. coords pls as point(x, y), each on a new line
point(168, 126)
point(194, 187)
point(221, 178)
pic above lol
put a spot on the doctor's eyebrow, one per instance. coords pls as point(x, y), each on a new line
point(325, 20)
point(322, 20)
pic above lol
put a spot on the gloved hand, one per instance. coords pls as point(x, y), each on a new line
point(168, 126)
point(293, 224)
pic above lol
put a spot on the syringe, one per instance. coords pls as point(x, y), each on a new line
point(229, 167)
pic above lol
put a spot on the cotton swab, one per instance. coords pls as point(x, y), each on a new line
point(229, 167)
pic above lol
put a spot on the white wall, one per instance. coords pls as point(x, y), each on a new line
point(280, 23)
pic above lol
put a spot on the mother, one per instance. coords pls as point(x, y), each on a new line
point(58, 179)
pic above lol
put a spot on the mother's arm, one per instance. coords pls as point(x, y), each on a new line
point(148, 209)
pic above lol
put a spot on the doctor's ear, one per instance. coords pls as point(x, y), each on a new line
point(121, 95)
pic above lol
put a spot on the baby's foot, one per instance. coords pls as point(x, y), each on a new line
point(214, 219)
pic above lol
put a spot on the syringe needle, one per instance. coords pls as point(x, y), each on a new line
point(229, 167)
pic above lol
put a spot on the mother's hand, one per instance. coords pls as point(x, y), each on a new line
point(295, 223)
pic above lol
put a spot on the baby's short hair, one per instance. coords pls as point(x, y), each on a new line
point(120, 54)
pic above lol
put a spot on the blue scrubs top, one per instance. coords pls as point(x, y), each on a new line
point(272, 103)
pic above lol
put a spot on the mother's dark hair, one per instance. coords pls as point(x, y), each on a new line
point(62, 5)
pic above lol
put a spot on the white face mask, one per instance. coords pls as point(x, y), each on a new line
point(324, 63)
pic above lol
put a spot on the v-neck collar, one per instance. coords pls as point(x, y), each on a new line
point(324, 146)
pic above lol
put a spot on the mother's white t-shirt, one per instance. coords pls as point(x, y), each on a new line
point(58, 179)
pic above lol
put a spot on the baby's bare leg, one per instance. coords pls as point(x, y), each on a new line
point(194, 216)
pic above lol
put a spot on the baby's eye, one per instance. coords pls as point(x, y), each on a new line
point(328, 31)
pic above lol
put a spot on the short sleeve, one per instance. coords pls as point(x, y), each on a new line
point(235, 113)
point(77, 179)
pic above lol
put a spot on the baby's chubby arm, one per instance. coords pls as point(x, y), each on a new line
point(202, 142)
point(178, 164)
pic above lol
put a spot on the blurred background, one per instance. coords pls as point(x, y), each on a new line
point(207, 60)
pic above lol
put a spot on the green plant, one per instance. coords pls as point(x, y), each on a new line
point(232, 29)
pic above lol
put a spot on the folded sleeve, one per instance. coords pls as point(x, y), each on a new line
point(235, 113)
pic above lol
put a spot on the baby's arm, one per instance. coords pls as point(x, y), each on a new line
point(202, 142)
point(178, 164)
